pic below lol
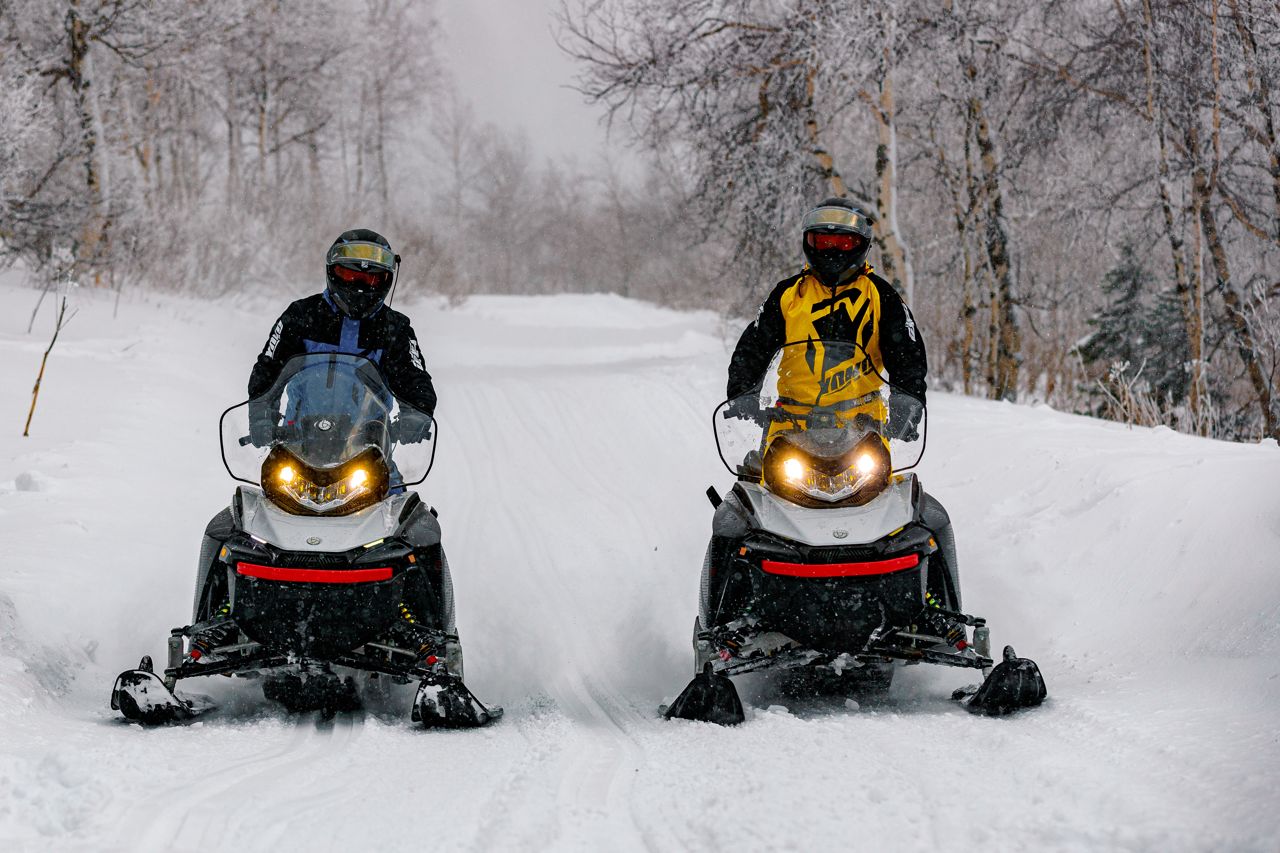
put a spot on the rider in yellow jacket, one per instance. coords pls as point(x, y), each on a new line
point(836, 298)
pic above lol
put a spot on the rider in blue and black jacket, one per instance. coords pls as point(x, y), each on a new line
point(348, 317)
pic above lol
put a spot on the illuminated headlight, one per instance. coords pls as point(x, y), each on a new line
point(825, 487)
point(319, 498)
point(301, 489)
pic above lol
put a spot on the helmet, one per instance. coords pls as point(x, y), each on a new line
point(837, 236)
point(360, 267)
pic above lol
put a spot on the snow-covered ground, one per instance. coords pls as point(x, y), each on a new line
point(1138, 567)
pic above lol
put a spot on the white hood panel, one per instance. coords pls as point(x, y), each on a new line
point(274, 526)
point(855, 525)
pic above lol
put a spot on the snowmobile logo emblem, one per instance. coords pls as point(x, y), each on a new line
point(840, 533)
point(314, 540)
point(324, 426)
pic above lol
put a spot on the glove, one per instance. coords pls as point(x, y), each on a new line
point(262, 424)
point(412, 427)
point(745, 409)
point(905, 413)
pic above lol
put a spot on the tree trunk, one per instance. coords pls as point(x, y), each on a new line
point(1246, 346)
point(1260, 88)
point(233, 144)
point(77, 76)
point(893, 251)
point(1191, 316)
point(825, 161)
point(1008, 343)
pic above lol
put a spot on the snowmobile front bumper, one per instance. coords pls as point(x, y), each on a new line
point(317, 605)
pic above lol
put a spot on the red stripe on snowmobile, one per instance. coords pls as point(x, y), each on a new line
point(841, 570)
point(275, 573)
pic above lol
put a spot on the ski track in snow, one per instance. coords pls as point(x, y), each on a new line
point(574, 450)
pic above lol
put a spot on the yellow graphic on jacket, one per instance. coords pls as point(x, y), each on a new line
point(833, 353)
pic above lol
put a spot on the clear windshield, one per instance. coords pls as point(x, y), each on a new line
point(326, 409)
point(827, 397)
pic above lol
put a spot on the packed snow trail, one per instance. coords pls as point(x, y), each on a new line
point(1136, 566)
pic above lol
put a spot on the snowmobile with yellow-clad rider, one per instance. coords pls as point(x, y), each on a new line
point(827, 559)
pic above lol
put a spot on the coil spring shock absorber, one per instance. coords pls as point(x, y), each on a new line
point(215, 635)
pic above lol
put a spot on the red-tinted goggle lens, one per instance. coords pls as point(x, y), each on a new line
point(368, 278)
point(843, 242)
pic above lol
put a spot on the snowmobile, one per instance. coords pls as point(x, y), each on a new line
point(324, 570)
point(827, 559)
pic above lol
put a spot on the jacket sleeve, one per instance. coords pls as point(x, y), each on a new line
point(407, 372)
point(284, 342)
point(901, 346)
point(758, 343)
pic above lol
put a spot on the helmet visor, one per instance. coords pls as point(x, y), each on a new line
point(837, 219)
point(361, 256)
point(376, 279)
point(838, 240)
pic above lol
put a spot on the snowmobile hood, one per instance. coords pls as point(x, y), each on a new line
point(857, 525)
point(265, 521)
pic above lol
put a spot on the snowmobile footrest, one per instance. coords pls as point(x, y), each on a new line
point(444, 702)
point(711, 698)
point(1014, 684)
point(142, 696)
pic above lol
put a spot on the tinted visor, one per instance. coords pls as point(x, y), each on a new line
point(839, 240)
point(361, 256)
point(374, 278)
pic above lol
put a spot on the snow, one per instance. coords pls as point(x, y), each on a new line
point(1136, 566)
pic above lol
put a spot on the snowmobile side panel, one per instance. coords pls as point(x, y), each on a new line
point(268, 523)
point(852, 525)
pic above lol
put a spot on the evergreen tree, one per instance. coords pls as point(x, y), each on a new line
point(1139, 332)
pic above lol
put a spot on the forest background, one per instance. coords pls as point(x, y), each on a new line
point(1080, 199)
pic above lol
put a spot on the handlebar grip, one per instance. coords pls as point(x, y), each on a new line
point(245, 440)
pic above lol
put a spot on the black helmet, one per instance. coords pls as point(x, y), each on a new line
point(837, 236)
point(360, 268)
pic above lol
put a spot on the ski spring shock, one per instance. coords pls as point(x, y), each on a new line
point(215, 635)
point(952, 632)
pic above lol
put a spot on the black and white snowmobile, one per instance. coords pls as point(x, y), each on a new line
point(325, 579)
point(827, 558)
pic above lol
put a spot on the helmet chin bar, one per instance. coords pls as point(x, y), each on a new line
point(833, 267)
point(356, 303)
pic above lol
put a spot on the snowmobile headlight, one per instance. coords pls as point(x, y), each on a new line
point(301, 489)
point(854, 476)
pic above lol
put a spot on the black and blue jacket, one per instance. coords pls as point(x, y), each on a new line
point(315, 324)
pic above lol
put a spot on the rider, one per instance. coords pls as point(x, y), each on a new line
point(836, 297)
point(349, 317)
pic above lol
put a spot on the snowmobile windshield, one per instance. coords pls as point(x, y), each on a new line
point(325, 414)
point(825, 422)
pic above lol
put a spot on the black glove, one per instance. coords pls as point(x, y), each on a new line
point(411, 427)
point(905, 413)
point(262, 424)
point(746, 409)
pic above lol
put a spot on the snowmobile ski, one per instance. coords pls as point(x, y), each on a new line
point(711, 698)
point(444, 702)
point(143, 697)
point(1014, 684)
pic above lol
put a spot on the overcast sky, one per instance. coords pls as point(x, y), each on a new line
point(506, 62)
